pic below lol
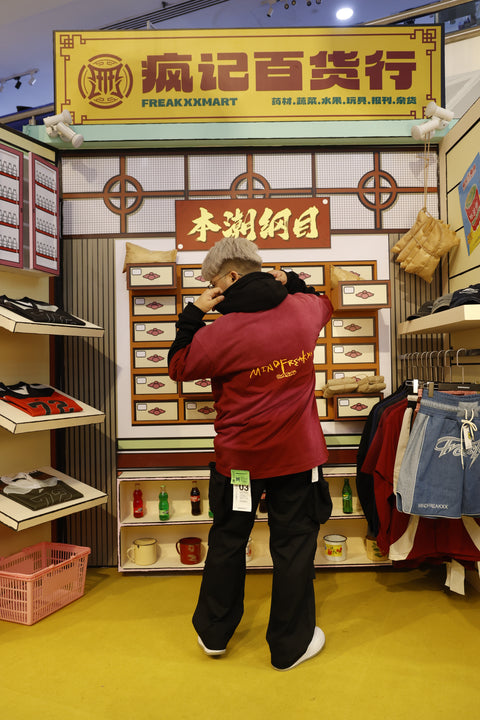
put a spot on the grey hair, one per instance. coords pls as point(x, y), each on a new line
point(231, 254)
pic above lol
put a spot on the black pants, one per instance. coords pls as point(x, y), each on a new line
point(296, 507)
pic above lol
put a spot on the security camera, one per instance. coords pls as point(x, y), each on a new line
point(434, 110)
point(65, 133)
point(58, 126)
point(63, 117)
point(440, 119)
point(426, 130)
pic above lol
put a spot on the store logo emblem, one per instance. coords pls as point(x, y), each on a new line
point(105, 81)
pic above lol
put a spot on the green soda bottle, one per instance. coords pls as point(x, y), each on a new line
point(347, 497)
point(163, 509)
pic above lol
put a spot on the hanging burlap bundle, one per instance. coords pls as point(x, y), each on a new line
point(420, 249)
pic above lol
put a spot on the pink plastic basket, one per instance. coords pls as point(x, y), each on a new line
point(41, 579)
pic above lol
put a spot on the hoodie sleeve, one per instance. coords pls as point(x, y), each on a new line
point(187, 360)
point(295, 285)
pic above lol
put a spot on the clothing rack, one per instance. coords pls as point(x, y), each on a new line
point(426, 365)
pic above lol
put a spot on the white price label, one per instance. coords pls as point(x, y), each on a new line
point(242, 498)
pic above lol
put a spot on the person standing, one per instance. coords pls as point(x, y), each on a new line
point(259, 356)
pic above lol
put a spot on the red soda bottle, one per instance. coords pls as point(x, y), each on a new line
point(195, 499)
point(137, 502)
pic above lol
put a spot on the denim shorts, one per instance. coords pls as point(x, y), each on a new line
point(440, 471)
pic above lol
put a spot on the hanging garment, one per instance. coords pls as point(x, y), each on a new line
point(439, 474)
point(365, 482)
point(37, 399)
point(39, 312)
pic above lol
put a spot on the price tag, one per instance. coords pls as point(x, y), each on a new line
point(242, 498)
point(240, 477)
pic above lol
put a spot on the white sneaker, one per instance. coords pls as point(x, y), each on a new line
point(316, 644)
point(207, 651)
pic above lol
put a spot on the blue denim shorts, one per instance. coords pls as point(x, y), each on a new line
point(440, 471)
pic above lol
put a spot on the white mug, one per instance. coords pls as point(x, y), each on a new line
point(143, 551)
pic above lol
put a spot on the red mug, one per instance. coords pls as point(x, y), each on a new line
point(189, 549)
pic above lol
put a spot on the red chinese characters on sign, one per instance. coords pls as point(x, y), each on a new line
point(270, 223)
point(278, 71)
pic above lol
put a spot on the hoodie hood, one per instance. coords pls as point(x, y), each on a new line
point(254, 292)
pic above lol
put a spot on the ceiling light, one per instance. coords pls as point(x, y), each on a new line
point(18, 84)
point(33, 79)
point(344, 13)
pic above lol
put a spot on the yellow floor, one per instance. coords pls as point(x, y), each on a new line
point(398, 646)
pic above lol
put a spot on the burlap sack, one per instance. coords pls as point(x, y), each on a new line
point(420, 249)
point(138, 254)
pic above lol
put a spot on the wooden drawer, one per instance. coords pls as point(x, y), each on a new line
point(354, 407)
point(353, 327)
point(204, 385)
point(310, 274)
point(148, 331)
point(371, 294)
point(199, 410)
point(156, 411)
point(192, 278)
point(348, 354)
point(155, 305)
point(153, 357)
point(322, 407)
point(153, 275)
point(320, 355)
point(154, 385)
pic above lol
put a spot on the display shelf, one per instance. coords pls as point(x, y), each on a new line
point(16, 421)
point(465, 317)
point(169, 559)
point(15, 323)
point(182, 524)
point(19, 517)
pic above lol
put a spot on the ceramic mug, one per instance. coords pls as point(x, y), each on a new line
point(189, 549)
point(143, 551)
point(335, 547)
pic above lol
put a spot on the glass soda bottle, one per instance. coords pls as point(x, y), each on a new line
point(195, 499)
point(163, 508)
point(137, 502)
point(262, 507)
point(347, 497)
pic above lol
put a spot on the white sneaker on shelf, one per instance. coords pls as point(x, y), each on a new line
point(316, 644)
point(207, 651)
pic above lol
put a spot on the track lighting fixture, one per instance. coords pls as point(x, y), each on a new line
point(286, 5)
point(18, 78)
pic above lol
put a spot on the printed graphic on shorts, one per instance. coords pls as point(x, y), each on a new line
point(449, 444)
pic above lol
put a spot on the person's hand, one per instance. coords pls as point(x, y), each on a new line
point(279, 275)
point(208, 299)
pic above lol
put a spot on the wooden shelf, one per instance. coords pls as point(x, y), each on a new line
point(16, 421)
point(465, 317)
point(19, 517)
point(183, 524)
point(15, 323)
point(168, 558)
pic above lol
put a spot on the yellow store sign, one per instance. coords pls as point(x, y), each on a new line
point(170, 76)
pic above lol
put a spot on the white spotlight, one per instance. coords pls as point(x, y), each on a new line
point(344, 13)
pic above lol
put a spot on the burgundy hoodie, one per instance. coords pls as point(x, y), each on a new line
point(259, 355)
